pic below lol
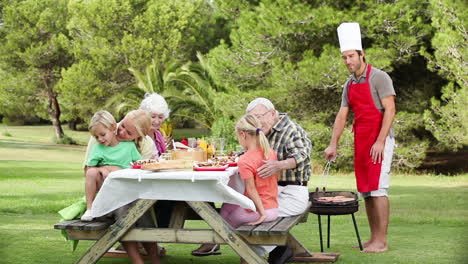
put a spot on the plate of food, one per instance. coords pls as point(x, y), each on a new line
point(209, 166)
point(137, 164)
point(155, 165)
point(230, 160)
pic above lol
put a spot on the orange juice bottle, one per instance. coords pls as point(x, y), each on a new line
point(202, 144)
point(211, 151)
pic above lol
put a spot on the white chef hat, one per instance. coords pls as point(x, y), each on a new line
point(349, 35)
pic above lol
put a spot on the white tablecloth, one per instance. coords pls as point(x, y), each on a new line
point(125, 186)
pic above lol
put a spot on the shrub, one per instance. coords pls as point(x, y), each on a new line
point(65, 140)
point(12, 121)
point(320, 135)
point(224, 128)
point(410, 152)
point(411, 139)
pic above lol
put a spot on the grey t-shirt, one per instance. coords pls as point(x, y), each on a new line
point(381, 86)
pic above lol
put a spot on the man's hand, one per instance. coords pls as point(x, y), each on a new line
point(270, 168)
point(330, 153)
point(259, 220)
point(376, 152)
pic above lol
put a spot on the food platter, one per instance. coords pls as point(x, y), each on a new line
point(209, 166)
point(162, 165)
point(222, 168)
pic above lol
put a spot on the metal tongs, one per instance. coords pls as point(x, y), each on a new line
point(325, 173)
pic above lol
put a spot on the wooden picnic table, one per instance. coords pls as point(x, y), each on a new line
point(240, 239)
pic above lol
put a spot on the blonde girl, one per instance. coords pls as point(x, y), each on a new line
point(108, 155)
point(262, 191)
point(133, 129)
point(135, 126)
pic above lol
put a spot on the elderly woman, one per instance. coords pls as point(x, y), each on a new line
point(156, 105)
point(135, 126)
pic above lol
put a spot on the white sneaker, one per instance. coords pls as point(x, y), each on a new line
point(87, 216)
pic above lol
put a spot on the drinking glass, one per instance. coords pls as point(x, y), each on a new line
point(192, 142)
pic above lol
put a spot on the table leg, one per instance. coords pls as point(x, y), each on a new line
point(115, 232)
point(298, 248)
point(220, 226)
point(179, 214)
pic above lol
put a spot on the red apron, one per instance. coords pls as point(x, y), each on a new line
point(366, 127)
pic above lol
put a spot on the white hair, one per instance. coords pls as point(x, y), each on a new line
point(260, 101)
point(155, 103)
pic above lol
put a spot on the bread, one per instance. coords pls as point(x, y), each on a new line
point(164, 165)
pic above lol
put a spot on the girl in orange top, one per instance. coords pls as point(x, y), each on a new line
point(262, 191)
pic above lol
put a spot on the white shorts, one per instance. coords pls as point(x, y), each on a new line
point(292, 200)
point(384, 181)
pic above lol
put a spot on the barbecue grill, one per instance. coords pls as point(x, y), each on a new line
point(322, 207)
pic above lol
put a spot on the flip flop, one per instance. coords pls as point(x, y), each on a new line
point(212, 251)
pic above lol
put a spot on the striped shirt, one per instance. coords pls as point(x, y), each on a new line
point(290, 140)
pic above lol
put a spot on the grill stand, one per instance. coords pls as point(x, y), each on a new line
point(328, 231)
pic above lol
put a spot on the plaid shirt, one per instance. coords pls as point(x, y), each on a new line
point(290, 140)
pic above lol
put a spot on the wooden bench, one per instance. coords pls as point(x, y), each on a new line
point(272, 233)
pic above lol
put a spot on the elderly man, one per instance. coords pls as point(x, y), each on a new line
point(293, 146)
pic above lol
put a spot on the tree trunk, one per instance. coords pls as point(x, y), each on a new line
point(53, 106)
point(72, 124)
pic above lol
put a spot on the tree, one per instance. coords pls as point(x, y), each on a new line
point(35, 49)
point(155, 79)
point(187, 87)
point(109, 37)
point(288, 51)
point(448, 114)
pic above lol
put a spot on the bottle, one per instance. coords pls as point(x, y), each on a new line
point(211, 151)
point(202, 144)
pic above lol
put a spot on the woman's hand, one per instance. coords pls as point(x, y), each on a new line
point(259, 220)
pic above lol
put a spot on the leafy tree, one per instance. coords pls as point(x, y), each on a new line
point(17, 97)
point(34, 50)
point(447, 117)
point(155, 79)
point(288, 51)
point(188, 88)
point(111, 36)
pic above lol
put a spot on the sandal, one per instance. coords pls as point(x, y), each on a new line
point(212, 251)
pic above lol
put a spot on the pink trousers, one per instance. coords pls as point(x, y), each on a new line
point(237, 216)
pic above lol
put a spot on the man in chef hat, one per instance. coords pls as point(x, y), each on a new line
point(369, 93)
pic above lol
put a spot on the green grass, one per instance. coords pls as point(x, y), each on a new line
point(429, 216)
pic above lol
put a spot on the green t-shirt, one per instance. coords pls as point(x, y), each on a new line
point(120, 155)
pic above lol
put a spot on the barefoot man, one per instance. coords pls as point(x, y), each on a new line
point(369, 93)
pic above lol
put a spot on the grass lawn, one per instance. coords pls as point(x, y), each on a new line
point(429, 216)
